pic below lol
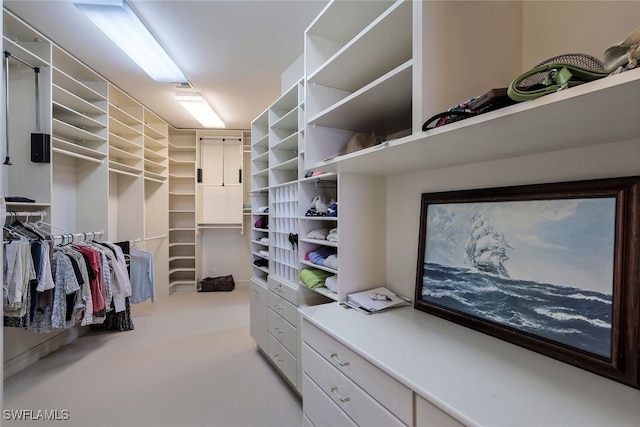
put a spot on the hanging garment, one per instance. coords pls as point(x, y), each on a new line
point(118, 320)
point(142, 276)
point(48, 288)
point(66, 284)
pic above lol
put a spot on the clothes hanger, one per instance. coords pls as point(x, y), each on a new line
point(19, 231)
point(40, 224)
point(26, 231)
point(38, 228)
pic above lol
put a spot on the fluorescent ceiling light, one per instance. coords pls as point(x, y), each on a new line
point(200, 109)
point(116, 19)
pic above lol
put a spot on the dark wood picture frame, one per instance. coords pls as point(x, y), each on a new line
point(564, 240)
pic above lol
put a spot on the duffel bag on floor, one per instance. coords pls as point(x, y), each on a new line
point(216, 284)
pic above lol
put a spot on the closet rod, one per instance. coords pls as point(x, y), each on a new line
point(82, 237)
point(219, 138)
point(42, 214)
point(144, 239)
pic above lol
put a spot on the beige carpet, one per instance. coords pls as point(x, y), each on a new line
point(189, 362)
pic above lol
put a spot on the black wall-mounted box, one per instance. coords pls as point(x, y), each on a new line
point(40, 148)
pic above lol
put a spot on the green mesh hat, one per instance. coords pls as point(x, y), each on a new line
point(624, 55)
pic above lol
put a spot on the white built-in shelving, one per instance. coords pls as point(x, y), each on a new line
point(260, 200)
point(385, 68)
point(78, 143)
point(277, 164)
point(126, 140)
point(182, 209)
point(156, 136)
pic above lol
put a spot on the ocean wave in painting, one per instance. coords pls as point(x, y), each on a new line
point(574, 317)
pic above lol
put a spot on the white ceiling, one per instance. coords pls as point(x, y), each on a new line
point(232, 51)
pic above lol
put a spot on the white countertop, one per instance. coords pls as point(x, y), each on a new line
point(475, 378)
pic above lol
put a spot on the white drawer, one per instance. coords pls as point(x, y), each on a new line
point(321, 410)
point(284, 360)
point(382, 387)
point(283, 331)
point(284, 290)
point(283, 308)
point(357, 404)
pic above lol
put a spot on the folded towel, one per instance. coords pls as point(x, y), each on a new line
point(318, 233)
point(331, 283)
point(332, 210)
point(318, 257)
point(313, 278)
point(331, 261)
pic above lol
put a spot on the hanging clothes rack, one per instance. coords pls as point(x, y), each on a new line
point(36, 70)
point(26, 214)
point(144, 239)
point(217, 138)
point(33, 67)
point(65, 239)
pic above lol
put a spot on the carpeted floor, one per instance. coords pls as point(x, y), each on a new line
point(189, 362)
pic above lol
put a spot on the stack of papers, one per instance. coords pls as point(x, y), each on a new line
point(375, 300)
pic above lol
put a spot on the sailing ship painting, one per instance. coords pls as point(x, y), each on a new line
point(544, 268)
point(486, 249)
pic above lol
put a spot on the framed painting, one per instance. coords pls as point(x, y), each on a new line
point(552, 267)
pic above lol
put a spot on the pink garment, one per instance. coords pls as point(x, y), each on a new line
point(97, 284)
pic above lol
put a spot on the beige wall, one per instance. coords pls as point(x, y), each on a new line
point(575, 27)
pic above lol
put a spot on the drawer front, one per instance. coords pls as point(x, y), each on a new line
point(284, 308)
point(284, 290)
point(321, 410)
point(427, 414)
point(284, 360)
point(283, 331)
point(382, 387)
point(357, 404)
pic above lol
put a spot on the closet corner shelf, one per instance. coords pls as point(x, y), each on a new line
point(549, 123)
point(181, 270)
point(181, 258)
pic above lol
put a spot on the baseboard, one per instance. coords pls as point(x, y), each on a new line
point(242, 283)
point(22, 361)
